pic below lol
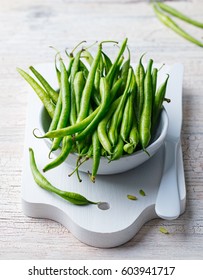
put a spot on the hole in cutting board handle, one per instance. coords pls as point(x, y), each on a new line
point(104, 205)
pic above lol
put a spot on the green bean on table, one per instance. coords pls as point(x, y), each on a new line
point(175, 27)
point(179, 15)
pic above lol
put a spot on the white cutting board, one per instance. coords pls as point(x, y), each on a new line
point(90, 224)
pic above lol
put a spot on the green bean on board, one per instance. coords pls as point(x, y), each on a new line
point(72, 197)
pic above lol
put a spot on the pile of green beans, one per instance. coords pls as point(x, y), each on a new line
point(104, 107)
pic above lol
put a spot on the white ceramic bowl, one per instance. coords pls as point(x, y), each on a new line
point(123, 164)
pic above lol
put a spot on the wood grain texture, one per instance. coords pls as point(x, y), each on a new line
point(27, 29)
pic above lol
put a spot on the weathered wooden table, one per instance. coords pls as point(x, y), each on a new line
point(27, 29)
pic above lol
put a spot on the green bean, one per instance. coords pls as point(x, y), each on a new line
point(51, 92)
point(118, 150)
point(41, 181)
point(67, 144)
point(117, 73)
point(58, 73)
point(102, 127)
point(70, 64)
point(158, 101)
point(154, 80)
point(124, 71)
point(116, 118)
point(84, 107)
point(70, 129)
point(107, 63)
point(145, 121)
point(84, 69)
point(134, 133)
point(126, 122)
point(88, 57)
point(96, 155)
point(99, 74)
point(55, 120)
point(42, 94)
point(128, 148)
point(78, 84)
point(111, 72)
point(140, 75)
point(74, 70)
point(175, 27)
point(133, 137)
point(179, 15)
point(115, 89)
point(66, 103)
point(105, 96)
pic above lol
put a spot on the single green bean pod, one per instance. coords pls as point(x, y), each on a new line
point(105, 97)
point(117, 116)
point(78, 84)
point(66, 105)
point(158, 102)
point(67, 144)
point(41, 181)
point(111, 73)
point(55, 120)
point(86, 95)
point(179, 15)
point(128, 112)
point(107, 62)
point(145, 120)
point(124, 71)
point(140, 76)
point(102, 127)
point(42, 94)
point(154, 80)
point(96, 155)
point(51, 92)
point(118, 150)
point(74, 69)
